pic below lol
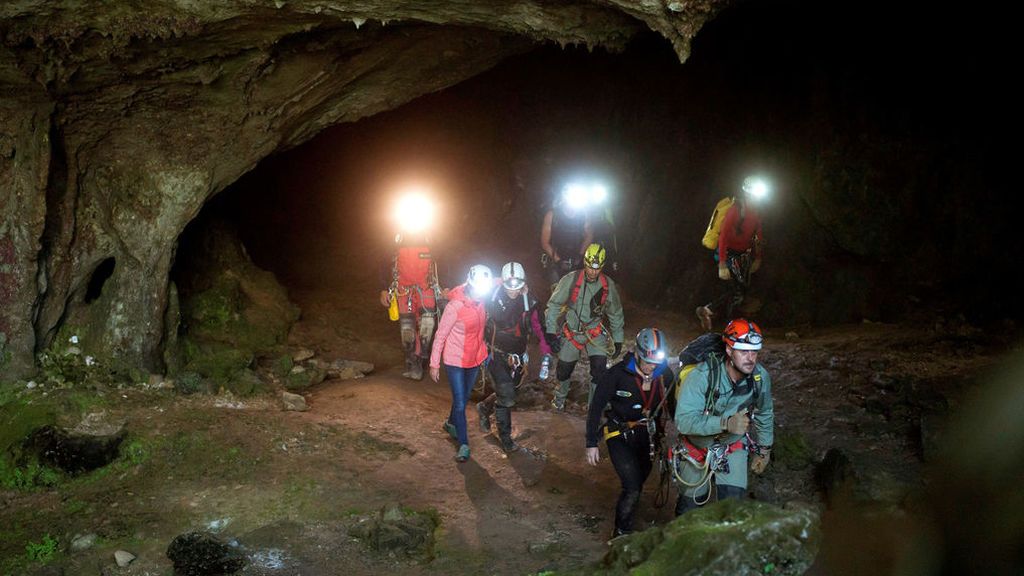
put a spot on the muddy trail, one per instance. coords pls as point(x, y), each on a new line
point(289, 487)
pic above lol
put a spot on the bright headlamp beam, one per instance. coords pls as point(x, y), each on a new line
point(757, 189)
point(414, 212)
point(575, 195)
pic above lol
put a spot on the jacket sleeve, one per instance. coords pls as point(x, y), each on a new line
point(725, 233)
point(444, 328)
point(558, 299)
point(538, 330)
point(613, 310)
point(764, 416)
point(602, 394)
point(690, 417)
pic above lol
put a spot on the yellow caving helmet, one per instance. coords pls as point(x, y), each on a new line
point(594, 256)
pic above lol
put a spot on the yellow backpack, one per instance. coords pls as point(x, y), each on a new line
point(710, 240)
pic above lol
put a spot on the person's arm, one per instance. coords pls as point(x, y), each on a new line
point(764, 417)
point(538, 330)
point(613, 310)
point(558, 299)
point(603, 392)
point(545, 236)
point(759, 241)
point(444, 328)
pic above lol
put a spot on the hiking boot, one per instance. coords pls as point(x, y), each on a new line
point(704, 315)
point(617, 533)
point(463, 454)
point(503, 420)
point(508, 445)
point(450, 429)
point(558, 405)
point(484, 412)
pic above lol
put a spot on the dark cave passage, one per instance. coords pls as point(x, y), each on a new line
point(881, 153)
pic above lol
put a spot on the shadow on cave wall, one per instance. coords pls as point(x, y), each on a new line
point(878, 135)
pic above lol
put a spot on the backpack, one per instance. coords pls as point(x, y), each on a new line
point(710, 240)
point(708, 348)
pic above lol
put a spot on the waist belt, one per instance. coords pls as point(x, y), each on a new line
point(698, 455)
point(613, 432)
point(590, 334)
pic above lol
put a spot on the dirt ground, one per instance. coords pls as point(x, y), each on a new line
point(287, 486)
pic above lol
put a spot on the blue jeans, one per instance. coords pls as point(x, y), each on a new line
point(461, 381)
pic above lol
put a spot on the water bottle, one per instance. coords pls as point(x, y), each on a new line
point(544, 365)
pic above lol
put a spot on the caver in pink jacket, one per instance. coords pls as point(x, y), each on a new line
point(460, 336)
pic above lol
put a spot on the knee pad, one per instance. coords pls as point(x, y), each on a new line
point(427, 323)
point(563, 370)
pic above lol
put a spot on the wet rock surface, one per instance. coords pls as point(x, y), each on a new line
point(202, 554)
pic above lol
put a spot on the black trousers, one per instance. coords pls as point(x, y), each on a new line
point(630, 453)
point(505, 381)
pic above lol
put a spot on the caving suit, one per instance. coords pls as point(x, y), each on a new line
point(510, 322)
point(631, 416)
point(414, 285)
point(699, 429)
point(584, 305)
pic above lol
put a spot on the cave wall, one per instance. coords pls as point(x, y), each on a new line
point(121, 120)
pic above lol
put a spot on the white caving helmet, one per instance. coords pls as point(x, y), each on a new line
point(513, 276)
point(480, 281)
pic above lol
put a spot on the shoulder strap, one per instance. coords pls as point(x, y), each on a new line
point(714, 373)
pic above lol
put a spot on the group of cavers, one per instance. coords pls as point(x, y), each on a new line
point(719, 397)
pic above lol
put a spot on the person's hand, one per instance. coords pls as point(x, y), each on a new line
point(760, 461)
point(593, 456)
point(755, 266)
point(617, 351)
point(435, 373)
point(738, 423)
point(385, 298)
point(554, 342)
point(723, 272)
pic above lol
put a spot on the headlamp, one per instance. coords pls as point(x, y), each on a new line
point(414, 212)
point(756, 188)
point(479, 287)
point(575, 196)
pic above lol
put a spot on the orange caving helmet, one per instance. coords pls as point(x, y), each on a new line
point(742, 334)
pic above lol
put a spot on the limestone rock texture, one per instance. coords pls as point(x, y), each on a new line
point(118, 121)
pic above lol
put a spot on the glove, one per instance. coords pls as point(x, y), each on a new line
point(618, 350)
point(755, 266)
point(553, 341)
point(385, 298)
point(760, 461)
point(738, 423)
point(723, 273)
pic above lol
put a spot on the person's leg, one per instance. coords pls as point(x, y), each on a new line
point(505, 389)
point(428, 322)
point(568, 355)
point(485, 408)
point(407, 325)
point(686, 503)
point(623, 458)
point(724, 492)
point(457, 378)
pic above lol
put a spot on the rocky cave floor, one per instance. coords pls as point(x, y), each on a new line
point(288, 486)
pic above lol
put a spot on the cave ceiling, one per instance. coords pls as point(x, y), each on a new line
point(118, 120)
